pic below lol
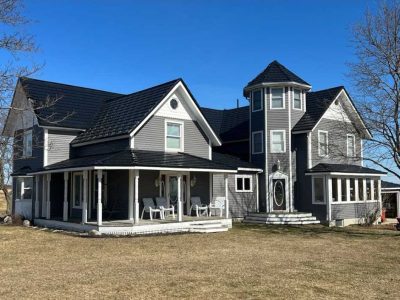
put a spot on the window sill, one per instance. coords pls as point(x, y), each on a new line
point(250, 191)
point(282, 152)
point(351, 202)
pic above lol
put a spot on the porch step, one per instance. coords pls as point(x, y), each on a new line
point(281, 218)
point(208, 227)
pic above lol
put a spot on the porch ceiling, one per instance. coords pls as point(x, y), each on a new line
point(139, 159)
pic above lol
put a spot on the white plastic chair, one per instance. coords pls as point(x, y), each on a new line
point(219, 204)
point(162, 204)
point(149, 207)
point(198, 206)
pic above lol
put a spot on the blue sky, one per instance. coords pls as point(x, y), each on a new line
point(215, 46)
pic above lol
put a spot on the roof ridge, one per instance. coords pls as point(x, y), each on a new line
point(66, 84)
point(146, 89)
point(328, 89)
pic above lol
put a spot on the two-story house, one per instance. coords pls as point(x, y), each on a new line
point(88, 159)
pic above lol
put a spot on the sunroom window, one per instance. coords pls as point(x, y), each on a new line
point(297, 99)
point(24, 188)
point(174, 136)
point(277, 98)
point(318, 190)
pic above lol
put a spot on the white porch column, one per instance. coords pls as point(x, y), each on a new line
point(44, 184)
point(37, 196)
point(356, 189)
point(179, 202)
point(131, 200)
point(329, 200)
point(99, 196)
point(65, 207)
point(257, 195)
point(364, 189)
point(84, 202)
point(188, 187)
point(339, 190)
point(378, 190)
point(226, 197)
point(136, 206)
point(48, 179)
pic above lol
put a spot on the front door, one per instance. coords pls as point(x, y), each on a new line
point(172, 189)
point(279, 194)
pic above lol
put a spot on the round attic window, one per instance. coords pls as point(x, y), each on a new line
point(173, 103)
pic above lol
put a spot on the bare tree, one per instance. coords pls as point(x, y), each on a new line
point(15, 44)
point(376, 75)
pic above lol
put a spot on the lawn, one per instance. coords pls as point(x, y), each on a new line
point(3, 203)
point(246, 262)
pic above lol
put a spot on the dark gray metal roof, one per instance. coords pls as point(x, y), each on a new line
point(119, 116)
point(232, 161)
point(342, 168)
point(317, 104)
point(276, 72)
point(389, 185)
point(63, 105)
point(229, 124)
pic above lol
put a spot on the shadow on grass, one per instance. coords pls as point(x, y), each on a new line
point(319, 230)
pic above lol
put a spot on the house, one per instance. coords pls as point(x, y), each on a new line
point(86, 159)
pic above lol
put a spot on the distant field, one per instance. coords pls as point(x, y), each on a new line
point(3, 203)
point(248, 262)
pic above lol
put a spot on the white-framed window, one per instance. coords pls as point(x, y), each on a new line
point(24, 188)
point(323, 149)
point(278, 141)
point(335, 190)
point(173, 136)
point(318, 190)
point(344, 190)
point(77, 190)
point(351, 145)
point(277, 98)
point(243, 183)
point(297, 99)
point(257, 141)
point(257, 103)
point(27, 144)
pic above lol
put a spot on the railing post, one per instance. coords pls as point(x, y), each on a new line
point(84, 203)
point(180, 217)
point(226, 197)
point(131, 197)
point(136, 196)
point(37, 196)
point(99, 197)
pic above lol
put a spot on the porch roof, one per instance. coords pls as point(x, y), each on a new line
point(343, 169)
point(139, 159)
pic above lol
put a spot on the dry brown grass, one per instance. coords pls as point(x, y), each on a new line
point(247, 262)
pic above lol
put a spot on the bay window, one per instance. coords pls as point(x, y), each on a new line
point(297, 99)
point(277, 100)
point(318, 190)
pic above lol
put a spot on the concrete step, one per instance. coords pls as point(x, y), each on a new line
point(207, 225)
point(281, 219)
point(280, 215)
point(209, 229)
point(281, 222)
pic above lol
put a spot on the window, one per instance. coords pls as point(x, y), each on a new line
point(318, 190)
point(335, 196)
point(278, 141)
point(173, 136)
point(323, 143)
point(376, 190)
point(344, 190)
point(77, 186)
point(27, 144)
point(369, 189)
point(352, 189)
point(244, 183)
point(277, 98)
point(24, 188)
point(257, 101)
point(351, 151)
point(257, 142)
point(297, 99)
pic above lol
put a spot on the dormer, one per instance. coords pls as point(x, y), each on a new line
point(277, 88)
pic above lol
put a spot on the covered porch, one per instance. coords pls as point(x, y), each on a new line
point(110, 199)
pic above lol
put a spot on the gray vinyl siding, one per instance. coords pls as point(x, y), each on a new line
point(100, 148)
point(59, 145)
point(353, 210)
point(240, 203)
point(36, 161)
point(152, 137)
point(337, 143)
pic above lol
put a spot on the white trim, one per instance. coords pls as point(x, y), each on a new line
point(290, 89)
point(309, 150)
point(132, 142)
point(252, 141)
point(267, 95)
point(242, 177)
point(73, 190)
point(327, 143)
point(276, 84)
point(61, 128)
point(250, 169)
point(191, 104)
point(344, 174)
point(257, 195)
point(282, 176)
point(209, 149)
point(45, 147)
point(347, 144)
point(323, 192)
point(300, 132)
point(271, 140)
point(261, 100)
point(301, 100)
point(283, 99)
point(181, 137)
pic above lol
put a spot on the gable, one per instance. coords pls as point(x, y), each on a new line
point(181, 112)
point(336, 112)
point(21, 116)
